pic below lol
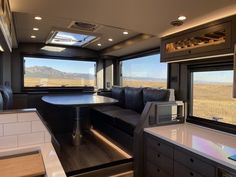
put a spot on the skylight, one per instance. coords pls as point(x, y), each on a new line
point(73, 39)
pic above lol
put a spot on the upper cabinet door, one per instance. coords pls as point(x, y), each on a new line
point(206, 41)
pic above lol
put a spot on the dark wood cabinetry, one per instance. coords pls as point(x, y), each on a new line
point(164, 159)
point(159, 157)
point(215, 38)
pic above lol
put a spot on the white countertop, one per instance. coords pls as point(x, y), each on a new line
point(212, 144)
point(52, 164)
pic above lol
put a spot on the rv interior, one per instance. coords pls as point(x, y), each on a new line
point(117, 88)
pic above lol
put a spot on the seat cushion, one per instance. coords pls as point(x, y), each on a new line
point(134, 99)
point(105, 108)
point(117, 93)
point(103, 113)
point(125, 120)
point(151, 94)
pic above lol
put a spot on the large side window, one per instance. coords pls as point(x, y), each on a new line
point(212, 95)
point(46, 72)
point(144, 72)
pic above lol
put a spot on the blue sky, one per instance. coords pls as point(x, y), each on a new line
point(148, 66)
point(214, 76)
point(62, 65)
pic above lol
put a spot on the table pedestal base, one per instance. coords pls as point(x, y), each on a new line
point(76, 135)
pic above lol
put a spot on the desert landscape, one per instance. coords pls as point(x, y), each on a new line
point(214, 100)
point(54, 82)
point(140, 83)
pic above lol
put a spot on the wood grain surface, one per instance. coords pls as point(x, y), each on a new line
point(27, 165)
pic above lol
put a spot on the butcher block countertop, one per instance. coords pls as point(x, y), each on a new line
point(23, 165)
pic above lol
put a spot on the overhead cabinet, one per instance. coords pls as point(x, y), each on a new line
point(215, 38)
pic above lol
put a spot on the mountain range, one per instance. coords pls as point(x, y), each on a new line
point(48, 72)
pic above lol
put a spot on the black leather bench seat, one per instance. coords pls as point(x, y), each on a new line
point(105, 108)
point(121, 119)
point(124, 119)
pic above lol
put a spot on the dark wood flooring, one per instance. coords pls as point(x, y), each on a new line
point(91, 152)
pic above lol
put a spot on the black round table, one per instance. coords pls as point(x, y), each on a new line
point(78, 101)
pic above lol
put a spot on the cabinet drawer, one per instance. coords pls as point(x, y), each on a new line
point(190, 161)
point(153, 171)
point(160, 146)
point(160, 160)
point(182, 171)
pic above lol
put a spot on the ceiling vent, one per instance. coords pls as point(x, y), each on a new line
point(82, 26)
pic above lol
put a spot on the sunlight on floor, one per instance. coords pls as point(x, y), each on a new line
point(110, 143)
point(126, 174)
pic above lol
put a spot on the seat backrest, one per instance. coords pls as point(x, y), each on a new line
point(153, 94)
point(7, 96)
point(118, 93)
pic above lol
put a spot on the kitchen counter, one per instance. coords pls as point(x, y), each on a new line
point(24, 131)
point(209, 143)
point(52, 164)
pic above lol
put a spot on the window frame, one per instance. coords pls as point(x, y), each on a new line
point(56, 89)
point(140, 55)
point(224, 64)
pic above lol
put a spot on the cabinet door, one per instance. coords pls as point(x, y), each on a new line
point(160, 161)
point(195, 163)
point(212, 40)
point(159, 145)
point(182, 171)
point(153, 171)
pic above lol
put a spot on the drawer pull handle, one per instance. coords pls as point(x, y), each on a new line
point(158, 155)
point(191, 174)
point(158, 144)
point(191, 160)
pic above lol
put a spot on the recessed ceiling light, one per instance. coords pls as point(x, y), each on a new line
point(35, 29)
point(38, 18)
point(99, 45)
point(33, 37)
point(110, 39)
point(125, 32)
point(182, 18)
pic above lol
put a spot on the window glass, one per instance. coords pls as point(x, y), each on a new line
point(212, 96)
point(144, 72)
point(45, 72)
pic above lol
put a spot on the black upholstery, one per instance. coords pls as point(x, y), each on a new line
point(134, 99)
point(150, 94)
point(102, 113)
point(119, 94)
point(105, 108)
point(7, 96)
point(119, 121)
point(127, 120)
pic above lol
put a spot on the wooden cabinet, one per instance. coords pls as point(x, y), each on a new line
point(164, 159)
point(193, 163)
point(215, 38)
point(159, 158)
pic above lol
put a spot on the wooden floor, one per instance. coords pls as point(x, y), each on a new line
point(91, 152)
